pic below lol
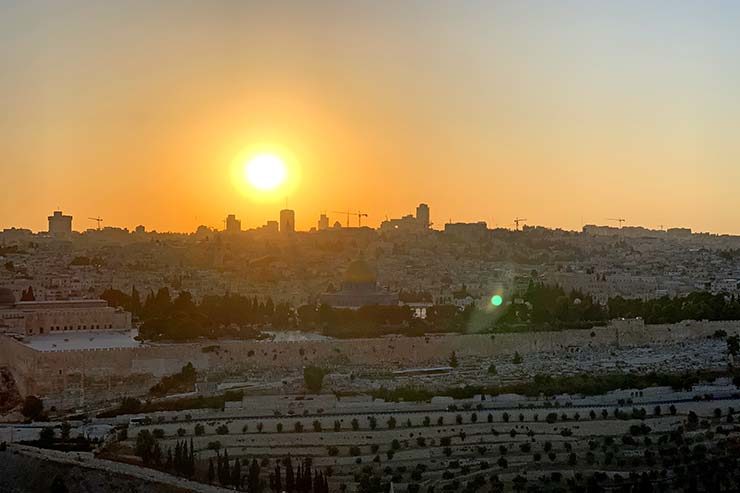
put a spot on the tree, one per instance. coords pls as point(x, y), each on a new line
point(66, 428)
point(211, 471)
point(33, 407)
point(253, 477)
point(236, 473)
point(453, 360)
point(733, 346)
point(520, 483)
point(313, 377)
point(46, 436)
point(391, 423)
point(58, 485)
point(144, 448)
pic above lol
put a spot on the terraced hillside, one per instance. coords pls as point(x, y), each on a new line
point(465, 447)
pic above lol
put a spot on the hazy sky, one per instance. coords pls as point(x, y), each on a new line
point(557, 111)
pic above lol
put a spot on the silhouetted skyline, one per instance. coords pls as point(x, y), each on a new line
point(564, 113)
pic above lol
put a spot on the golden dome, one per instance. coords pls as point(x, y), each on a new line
point(359, 272)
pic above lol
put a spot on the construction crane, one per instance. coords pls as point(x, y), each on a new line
point(96, 219)
point(359, 215)
point(517, 221)
point(619, 220)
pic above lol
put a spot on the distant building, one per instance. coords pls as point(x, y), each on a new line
point(422, 215)
point(46, 317)
point(323, 222)
point(140, 229)
point(60, 225)
point(269, 227)
point(408, 223)
point(467, 231)
point(359, 288)
point(233, 225)
point(287, 221)
point(679, 232)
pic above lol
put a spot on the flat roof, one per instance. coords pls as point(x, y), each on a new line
point(71, 303)
point(83, 340)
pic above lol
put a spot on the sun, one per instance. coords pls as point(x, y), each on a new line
point(265, 172)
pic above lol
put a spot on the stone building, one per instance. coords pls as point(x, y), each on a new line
point(359, 288)
point(46, 317)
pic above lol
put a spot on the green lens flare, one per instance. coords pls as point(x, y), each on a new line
point(496, 300)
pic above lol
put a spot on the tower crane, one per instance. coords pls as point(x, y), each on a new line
point(517, 221)
point(359, 215)
point(99, 220)
point(619, 220)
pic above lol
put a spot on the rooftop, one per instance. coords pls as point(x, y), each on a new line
point(76, 341)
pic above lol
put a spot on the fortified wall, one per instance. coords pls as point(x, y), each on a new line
point(87, 375)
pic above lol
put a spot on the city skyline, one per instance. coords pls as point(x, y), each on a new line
point(233, 223)
point(565, 114)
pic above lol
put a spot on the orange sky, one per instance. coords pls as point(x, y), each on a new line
point(485, 110)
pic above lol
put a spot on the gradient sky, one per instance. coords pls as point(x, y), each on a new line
point(561, 112)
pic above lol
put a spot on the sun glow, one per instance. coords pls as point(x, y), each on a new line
point(265, 172)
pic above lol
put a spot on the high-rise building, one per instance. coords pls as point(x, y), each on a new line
point(323, 222)
point(59, 224)
point(287, 221)
point(422, 215)
point(233, 225)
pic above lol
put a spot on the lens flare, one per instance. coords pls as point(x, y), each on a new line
point(496, 300)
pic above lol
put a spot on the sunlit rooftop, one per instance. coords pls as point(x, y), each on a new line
point(83, 340)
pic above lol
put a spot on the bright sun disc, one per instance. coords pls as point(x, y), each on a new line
point(265, 171)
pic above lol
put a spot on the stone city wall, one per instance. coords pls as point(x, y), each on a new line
point(103, 374)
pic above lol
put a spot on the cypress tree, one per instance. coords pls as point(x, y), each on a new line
point(211, 471)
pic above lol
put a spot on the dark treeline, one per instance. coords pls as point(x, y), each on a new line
point(378, 320)
point(694, 306)
point(541, 307)
point(304, 479)
point(548, 385)
point(552, 306)
point(246, 476)
point(179, 382)
point(164, 318)
point(544, 304)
